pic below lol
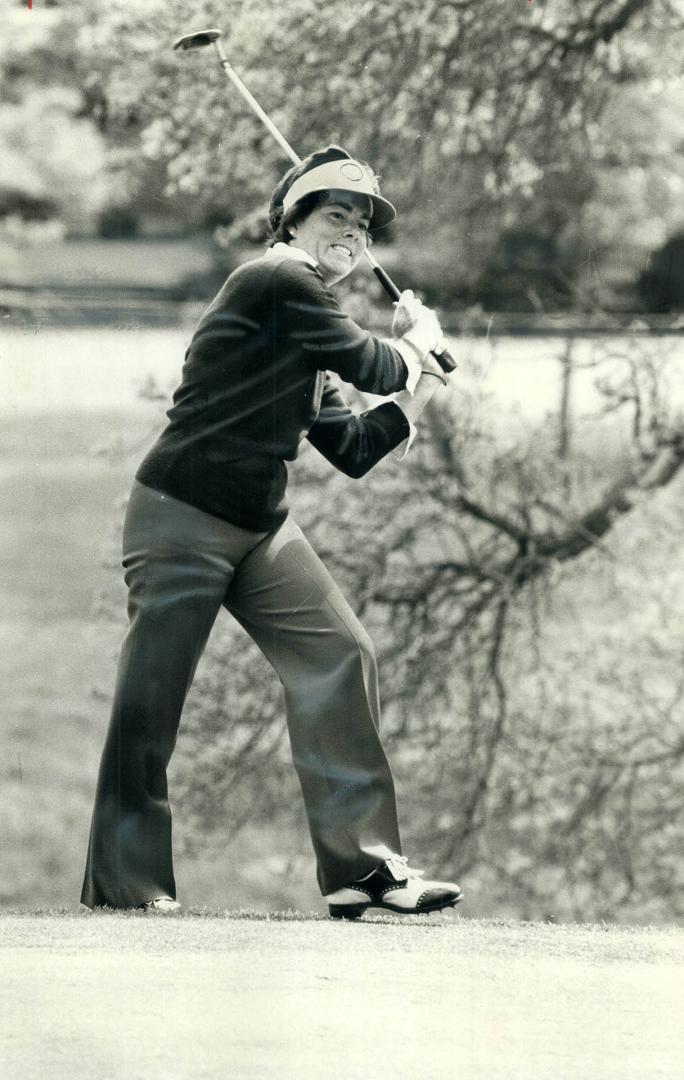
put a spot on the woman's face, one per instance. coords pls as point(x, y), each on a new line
point(335, 234)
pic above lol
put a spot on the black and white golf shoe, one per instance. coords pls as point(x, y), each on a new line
point(393, 886)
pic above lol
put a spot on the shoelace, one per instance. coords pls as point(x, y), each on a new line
point(400, 869)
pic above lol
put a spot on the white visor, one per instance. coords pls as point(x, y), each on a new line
point(344, 174)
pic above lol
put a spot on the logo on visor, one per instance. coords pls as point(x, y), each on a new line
point(351, 171)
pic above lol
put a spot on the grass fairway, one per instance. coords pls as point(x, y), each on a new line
point(202, 995)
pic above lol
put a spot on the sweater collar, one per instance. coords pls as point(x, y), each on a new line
point(292, 252)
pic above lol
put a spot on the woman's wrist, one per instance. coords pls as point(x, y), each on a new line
point(437, 374)
point(413, 405)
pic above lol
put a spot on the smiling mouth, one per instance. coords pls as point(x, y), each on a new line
point(342, 247)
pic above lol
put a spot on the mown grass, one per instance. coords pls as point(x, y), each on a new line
point(212, 928)
point(59, 499)
point(205, 995)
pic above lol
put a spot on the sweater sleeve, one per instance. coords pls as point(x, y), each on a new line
point(354, 444)
point(318, 326)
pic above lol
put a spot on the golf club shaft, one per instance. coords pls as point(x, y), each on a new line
point(254, 104)
point(444, 358)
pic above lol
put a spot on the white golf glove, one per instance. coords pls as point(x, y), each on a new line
point(416, 324)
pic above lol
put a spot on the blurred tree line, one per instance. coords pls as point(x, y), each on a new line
point(534, 149)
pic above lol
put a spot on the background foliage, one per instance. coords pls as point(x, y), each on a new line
point(537, 145)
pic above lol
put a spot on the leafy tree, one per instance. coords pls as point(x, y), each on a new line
point(484, 117)
point(52, 159)
point(51, 163)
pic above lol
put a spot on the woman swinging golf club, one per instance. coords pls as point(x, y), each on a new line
point(208, 525)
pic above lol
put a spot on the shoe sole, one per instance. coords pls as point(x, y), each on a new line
point(355, 911)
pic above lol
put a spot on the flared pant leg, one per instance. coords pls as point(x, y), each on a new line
point(288, 602)
point(178, 565)
point(181, 565)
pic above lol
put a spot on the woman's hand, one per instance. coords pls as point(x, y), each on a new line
point(431, 380)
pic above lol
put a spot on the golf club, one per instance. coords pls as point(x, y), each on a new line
point(203, 38)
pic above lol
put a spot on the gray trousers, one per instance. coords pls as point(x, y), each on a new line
point(181, 565)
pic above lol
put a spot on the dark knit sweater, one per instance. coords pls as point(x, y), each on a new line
point(255, 383)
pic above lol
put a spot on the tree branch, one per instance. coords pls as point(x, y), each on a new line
point(619, 500)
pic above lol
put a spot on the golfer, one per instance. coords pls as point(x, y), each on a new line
point(208, 525)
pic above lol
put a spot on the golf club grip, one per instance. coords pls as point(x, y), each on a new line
point(444, 359)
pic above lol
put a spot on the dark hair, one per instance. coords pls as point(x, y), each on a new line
point(281, 222)
point(280, 227)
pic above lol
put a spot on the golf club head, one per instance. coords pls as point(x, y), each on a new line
point(198, 40)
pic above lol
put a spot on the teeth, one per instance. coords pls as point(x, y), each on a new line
point(340, 247)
